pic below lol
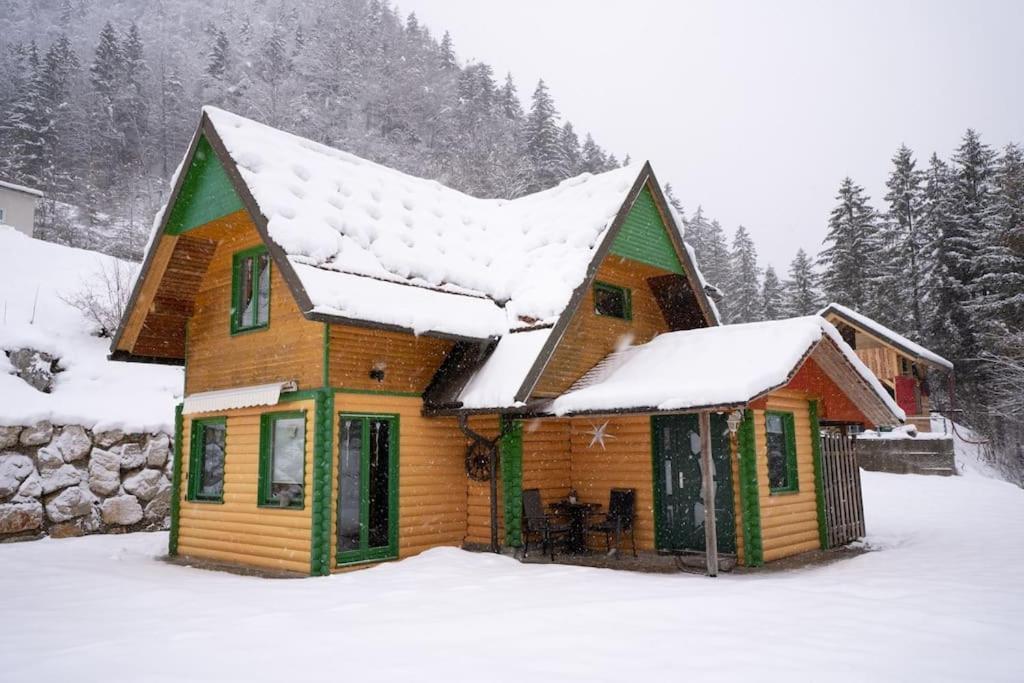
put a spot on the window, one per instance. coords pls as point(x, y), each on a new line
point(781, 438)
point(206, 460)
point(367, 487)
point(282, 459)
point(250, 290)
point(612, 301)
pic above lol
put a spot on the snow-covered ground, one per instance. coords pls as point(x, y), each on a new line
point(36, 278)
point(940, 597)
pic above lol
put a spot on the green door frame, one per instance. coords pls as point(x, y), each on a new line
point(365, 553)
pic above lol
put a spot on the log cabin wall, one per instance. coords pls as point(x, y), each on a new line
point(625, 461)
point(547, 458)
point(432, 500)
point(408, 362)
point(290, 348)
point(789, 521)
point(590, 337)
point(238, 531)
point(478, 493)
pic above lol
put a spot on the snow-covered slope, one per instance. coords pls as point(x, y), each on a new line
point(35, 277)
point(938, 598)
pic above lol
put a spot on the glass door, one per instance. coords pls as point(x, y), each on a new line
point(367, 487)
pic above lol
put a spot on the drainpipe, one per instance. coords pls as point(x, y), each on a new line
point(708, 471)
point(492, 446)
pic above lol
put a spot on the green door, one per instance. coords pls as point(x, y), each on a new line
point(367, 523)
point(678, 483)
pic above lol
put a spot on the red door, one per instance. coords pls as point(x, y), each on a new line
point(906, 394)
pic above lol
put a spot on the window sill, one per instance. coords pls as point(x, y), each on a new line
point(205, 501)
point(352, 562)
point(784, 492)
point(249, 330)
point(275, 506)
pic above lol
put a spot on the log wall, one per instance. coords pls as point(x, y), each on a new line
point(409, 362)
point(290, 348)
point(238, 531)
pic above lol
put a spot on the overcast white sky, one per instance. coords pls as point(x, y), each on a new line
point(756, 110)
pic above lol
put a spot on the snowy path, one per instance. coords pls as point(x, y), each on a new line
point(942, 599)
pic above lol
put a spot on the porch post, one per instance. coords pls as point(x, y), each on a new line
point(707, 468)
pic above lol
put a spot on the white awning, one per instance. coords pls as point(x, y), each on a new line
point(231, 399)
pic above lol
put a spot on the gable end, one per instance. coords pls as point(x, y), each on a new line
point(644, 237)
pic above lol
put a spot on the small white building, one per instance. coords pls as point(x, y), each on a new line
point(18, 206)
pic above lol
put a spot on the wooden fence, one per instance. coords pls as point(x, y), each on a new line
point(844, 506)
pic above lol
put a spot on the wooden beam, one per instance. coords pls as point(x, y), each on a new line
point(708, 471)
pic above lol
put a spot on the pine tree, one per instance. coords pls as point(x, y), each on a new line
point(594, 160)
point(571, 150)
point(26, 129)
point(508, 100)
point(771, 296)
point(851, 248)
point(903, 259)
point(744, 292)
point(800, 294)
point(543, 140)
point(717, 262)
point(219, 60)
point(448, 60)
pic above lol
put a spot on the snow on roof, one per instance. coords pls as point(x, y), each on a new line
point(20, 188)
point(880, 330)
point(504, 371)
point(337, 212)
point(35, 279)
point(723, 366)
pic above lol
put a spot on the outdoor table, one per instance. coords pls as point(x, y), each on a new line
point(577, 513)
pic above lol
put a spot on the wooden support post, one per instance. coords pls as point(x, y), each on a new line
point(708, 468)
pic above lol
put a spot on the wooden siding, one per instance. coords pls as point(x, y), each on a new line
point(624, 462)
point(409, 361)
point(789, 521)
point(431, 473)
point(590, 337)
point(238, 531)
point(478, 493)
point(291, 348)
point(547, 461)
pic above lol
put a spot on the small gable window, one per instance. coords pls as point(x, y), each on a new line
point(780, 435)
point(282, 459)
point(250, 290)
point(612, 301)
point(206, 460)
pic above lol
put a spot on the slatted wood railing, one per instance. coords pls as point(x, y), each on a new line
point(844, 506)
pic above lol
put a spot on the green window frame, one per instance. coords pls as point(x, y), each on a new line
point(367, 552)
point(605, 289)
point(274, 484)
point(197, 454)
point(249, 289)
point(785, 444)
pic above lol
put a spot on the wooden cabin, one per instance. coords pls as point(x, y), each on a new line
point(376, 365)
point(899, 363)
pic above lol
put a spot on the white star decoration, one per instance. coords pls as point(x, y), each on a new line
point(599, 434)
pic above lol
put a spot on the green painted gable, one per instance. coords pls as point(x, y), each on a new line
point(644, 237)
point(206, 193)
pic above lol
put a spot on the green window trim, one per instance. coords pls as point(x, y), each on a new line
point(390, 551)
point(753, 547)
point(819, 482)
point(627, 300)
point(265, 497)
point(247, 259)
point(789, 430)
point(196, 458)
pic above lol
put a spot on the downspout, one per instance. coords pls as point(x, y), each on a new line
point(492, 448)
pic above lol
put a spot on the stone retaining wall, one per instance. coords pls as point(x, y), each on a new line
point(906, 456)
point(71, 481)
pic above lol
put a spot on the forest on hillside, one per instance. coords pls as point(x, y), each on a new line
point(100, 98)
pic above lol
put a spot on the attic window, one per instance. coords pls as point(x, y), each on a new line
point(250, 290)
point(613, 301)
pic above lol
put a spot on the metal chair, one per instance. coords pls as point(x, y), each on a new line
point(619, 519)
point(536, 522)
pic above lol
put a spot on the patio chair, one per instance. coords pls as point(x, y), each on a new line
point(618, 520)
point(537, 523)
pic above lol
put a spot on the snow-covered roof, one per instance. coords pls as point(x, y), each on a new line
point(879, 330)
point(724, 366)
point(20, 188)
point(331, 211)
point(500, 377)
